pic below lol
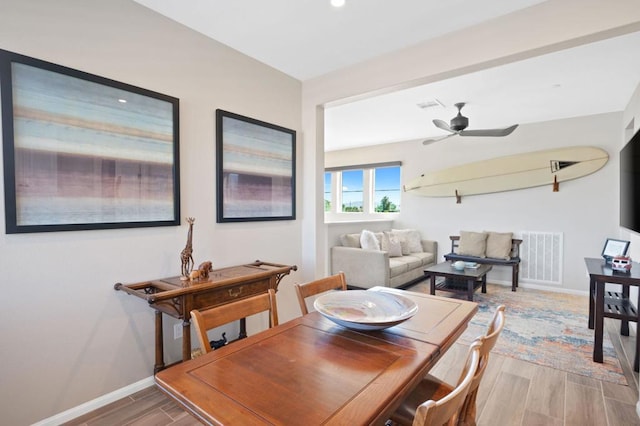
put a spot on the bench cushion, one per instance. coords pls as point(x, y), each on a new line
point(473, 243)
point(499, 245)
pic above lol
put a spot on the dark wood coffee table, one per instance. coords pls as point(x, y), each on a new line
point(458, 281)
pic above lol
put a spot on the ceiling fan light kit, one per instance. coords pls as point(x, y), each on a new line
point(458, 125)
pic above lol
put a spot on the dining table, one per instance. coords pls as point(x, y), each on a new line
point(313, 371)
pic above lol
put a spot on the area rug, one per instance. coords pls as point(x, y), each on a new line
point(545, 328)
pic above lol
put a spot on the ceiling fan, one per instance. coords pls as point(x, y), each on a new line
point(458, 125)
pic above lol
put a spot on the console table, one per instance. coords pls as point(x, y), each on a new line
point(176, 298)
point(604, 303)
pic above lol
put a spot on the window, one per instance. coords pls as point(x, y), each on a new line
point(352, 195)
point(386, 189)
point(362, 191)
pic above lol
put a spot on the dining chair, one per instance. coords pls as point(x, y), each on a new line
point(333, 282)
point(215, 317)
point(433, 388)
point(445, 409)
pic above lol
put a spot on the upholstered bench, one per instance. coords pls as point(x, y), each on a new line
point(499, 249)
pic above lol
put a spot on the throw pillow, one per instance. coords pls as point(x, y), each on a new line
point(368, 240)
point(391, 244)
point(499, 245)
point(472, 243)
point(350, 240)
point(410, 240)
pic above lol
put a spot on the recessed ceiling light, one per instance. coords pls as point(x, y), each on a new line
point(337, 3)
point(122, 101)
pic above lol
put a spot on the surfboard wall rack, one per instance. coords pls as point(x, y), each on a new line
point(556, 184)
point(458, 198)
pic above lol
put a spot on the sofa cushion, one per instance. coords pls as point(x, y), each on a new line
point(473, 243)
point(369, 241)
point(499, 245)
point(410, 240)
point(411, 261)
point(391, 244)
point(397, 266)
point(350, 240)
point(425, 258)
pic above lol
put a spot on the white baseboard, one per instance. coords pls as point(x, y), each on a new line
point(94, 404)
point(541, 287)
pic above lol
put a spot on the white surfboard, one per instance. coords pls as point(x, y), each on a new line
point(511, 172)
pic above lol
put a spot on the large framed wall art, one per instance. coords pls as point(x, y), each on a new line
point(256, 169)
point(85, 152)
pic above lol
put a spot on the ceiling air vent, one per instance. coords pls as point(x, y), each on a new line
point(430, 104)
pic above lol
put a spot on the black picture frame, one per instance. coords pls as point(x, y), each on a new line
point(256, 169)
point(613, 247)
point(84, 152)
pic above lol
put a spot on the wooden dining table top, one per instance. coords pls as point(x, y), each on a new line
point(312, 371)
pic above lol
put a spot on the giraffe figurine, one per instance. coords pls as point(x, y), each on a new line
point(186, 253)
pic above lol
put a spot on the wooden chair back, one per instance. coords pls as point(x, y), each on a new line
point(333, 282)
point(215, 317)
point(468, 411)
point(446, 409)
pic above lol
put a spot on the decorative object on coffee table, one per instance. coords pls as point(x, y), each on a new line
point(186, 255)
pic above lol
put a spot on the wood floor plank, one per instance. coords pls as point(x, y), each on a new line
point(155, 417)
point(489, 380)
point(519, 367)
point(584, 406)
point(506, 403)
point(622, 393)
point(536, 419)
point(547, 392)
point(620, 413)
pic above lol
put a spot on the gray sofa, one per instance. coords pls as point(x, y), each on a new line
point(366, 268)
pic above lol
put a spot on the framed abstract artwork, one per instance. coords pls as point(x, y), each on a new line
point(85, 152)
point(256, 169)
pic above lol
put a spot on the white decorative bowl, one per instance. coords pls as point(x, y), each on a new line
point(459, 265)
point(365, 310)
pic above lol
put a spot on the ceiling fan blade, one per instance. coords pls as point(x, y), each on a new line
point(489, 132)
point(442, 125)
point(432, 140)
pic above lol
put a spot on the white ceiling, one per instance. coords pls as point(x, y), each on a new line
point(308, 38)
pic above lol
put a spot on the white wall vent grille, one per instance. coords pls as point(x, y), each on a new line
point(541, 257)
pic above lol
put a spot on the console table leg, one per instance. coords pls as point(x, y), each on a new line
point(599, 322)
point(624, 324)
point(159, 365)
point(592, 291)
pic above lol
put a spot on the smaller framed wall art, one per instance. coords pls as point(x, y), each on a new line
point(85, 152)
point(256, 169)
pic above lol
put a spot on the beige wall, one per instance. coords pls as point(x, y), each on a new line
point(67, 336)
